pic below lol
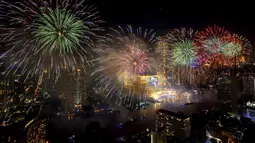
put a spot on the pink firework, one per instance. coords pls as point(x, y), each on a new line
point(134, 60)
point(124, 54)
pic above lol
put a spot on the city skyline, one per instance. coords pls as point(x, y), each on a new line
point(76, 71)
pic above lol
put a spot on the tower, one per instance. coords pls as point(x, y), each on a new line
point(234, 92)
point(39, 82)
point(163, 52)
point(78, 94)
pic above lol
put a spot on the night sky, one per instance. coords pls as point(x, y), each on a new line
point(237, 16)
point(160, 15)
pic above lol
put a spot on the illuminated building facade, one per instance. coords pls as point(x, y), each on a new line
point(80, 89)
point(36, 131)
point(152, 80)
point(171, 124)
point(134, 84)
point(145, 84)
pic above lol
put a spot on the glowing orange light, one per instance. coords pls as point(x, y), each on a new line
point(207, 65)
point(78, 70)
point(242, 59)
point(27, 89)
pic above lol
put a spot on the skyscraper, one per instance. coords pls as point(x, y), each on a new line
point(248, 83)
point(234, 92)
point(80, 89)
point(223, 87)
point(11, 86)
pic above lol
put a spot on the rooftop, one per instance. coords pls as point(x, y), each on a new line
point(178, 115)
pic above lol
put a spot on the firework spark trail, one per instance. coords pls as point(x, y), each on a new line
point(125, 57)
point(48, 35)
point(181, 34)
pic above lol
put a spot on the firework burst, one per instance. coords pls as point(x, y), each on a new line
point(183, 53)
point(218, 47)
point(48, 35)
point(169, 43)
point(180, 41)
point(180, 51)
point(134, 60)
point(126, 56)
point(245, 43)
point(231, 49)
point(210, 44)
point(237, 49)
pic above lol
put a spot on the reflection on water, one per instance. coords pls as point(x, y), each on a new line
point(113, 119)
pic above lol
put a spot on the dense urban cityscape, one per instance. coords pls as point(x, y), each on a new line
point(68, 76)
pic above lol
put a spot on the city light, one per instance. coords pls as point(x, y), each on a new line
point(68, 75)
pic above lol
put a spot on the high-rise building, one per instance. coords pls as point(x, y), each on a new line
point(229, 88)
point(248, 84)
point(171, 124)
point(223, 87)
point(36, 131)
point(234, 92)
point(12, 88)
point(78, 93)
point(80, 89)
point(5, 84)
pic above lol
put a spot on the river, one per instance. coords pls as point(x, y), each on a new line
point(111, 120)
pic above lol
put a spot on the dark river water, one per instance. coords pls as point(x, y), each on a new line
point(111, 120)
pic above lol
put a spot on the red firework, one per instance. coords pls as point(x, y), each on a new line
point(209, 43)
point(134, 60)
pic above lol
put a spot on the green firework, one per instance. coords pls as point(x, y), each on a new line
point(59, 31)
point(231, 49)
point(183, 53)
